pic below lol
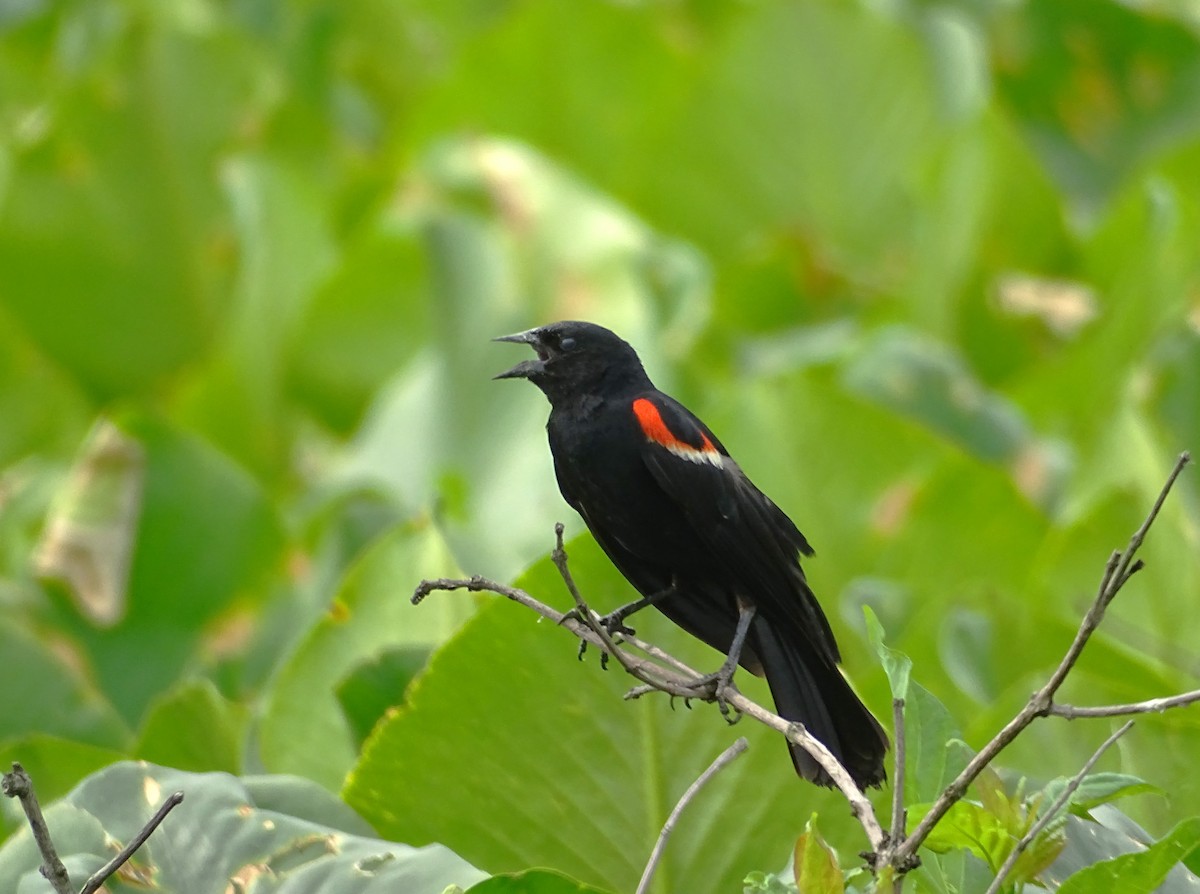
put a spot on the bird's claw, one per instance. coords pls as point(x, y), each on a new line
point(717, 687)
point(613, 622)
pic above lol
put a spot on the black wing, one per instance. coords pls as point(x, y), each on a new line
point(739, 525)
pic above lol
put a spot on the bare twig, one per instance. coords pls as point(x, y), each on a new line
point(106, 871)
point(17, 784)
point(899, 814)
point(1121, 566)
point(660, 671)
point(677, 681)
point(582, 610)
point(1048, 815)
point(1149, 706)
point(723, 760)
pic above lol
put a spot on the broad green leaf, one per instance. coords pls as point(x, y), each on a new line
point(369, 316)
point(1075, 90)
point(56, 765)
point(534, 881)
point(766, 883)
point(275, 834)
point(1039, 855)
point(916, 377)
point(932, 757)
point(304, 800)
point(79, 838)
point(193, 727)
point(897, 665)
point(92, 529)
point(206, 537)
point(1106, 834)
point(113, 236)
point(303, 728)
point(1007, 809)
point(43, 409)
point(238, 400)
point(506, 719)
point(54, 697)
point(815, 864)
point(1141, 872)
point(1096, 789)
point(969, 826)
point(966, 646)
point(376, 684)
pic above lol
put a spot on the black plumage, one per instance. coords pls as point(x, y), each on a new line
point(678, 516)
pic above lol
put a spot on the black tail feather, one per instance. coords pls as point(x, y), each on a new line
point(811, 691)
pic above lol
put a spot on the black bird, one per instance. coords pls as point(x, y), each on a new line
point(685, 526)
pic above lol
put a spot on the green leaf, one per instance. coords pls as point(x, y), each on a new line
point(506, 719)
point(304, 729)
point(238, 400)
point(1007, 809)
point(971, 827)
point(114, 235)
point(815, 863)
point(43, 409)
point(765, 883)
point(79, 838)
point(916, 377)
point(932, 757)
point(270, 833)
point(897, 665)
point(56, 766)
point(1141, 872)
point(1097, 789)
point(92, 529)
point(966, 647)
point(1075, 90)
point(206, 537)
point(192, 727)
point(1039, 855)
point(376, 684)
point(534, 881)
point(367, 317)
point(54, 696)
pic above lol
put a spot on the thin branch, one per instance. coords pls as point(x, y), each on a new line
point(1149, 706)
point(678, 681)
point(1121, 566)
point(1125, 571)
point(899, 814)
point(1049, 814)
point(660, 671)
point(108, 869)
point(17, 784)
point(582, 610)
point(723, 760)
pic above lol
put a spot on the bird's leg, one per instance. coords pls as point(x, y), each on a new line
point(613, 622)
point(721, 681)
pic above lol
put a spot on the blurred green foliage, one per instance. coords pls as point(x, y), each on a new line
point(930, 270)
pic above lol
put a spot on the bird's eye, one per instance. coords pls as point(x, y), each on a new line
point(567, 344)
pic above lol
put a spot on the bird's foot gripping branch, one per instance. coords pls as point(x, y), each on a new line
point(1025, 830)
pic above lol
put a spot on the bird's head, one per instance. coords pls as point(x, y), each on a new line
point(575, 359)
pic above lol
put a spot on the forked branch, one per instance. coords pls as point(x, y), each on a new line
point(17, 784)
point(659, 671)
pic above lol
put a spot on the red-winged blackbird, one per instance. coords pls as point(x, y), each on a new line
point(694, 536)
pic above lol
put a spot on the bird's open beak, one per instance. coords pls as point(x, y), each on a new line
point(526, 368)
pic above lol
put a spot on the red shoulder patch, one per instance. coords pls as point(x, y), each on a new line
point(654, 427)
